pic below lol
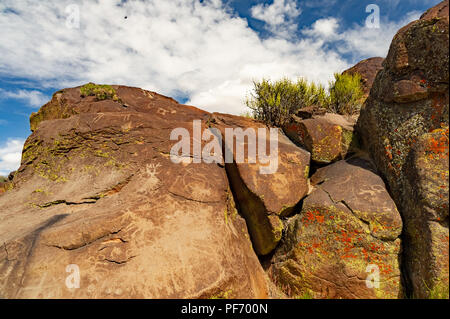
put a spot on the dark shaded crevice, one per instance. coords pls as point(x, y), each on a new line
point(297, 209)
point(266, 260)
point(406, 281)
point(249, 206)
point(252, 209)
point(59, 202)
point(74, 247)
point(314, 166)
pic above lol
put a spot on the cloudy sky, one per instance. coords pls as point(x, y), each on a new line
point(201, 52)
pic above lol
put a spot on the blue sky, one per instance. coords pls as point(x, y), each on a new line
point(205, 53)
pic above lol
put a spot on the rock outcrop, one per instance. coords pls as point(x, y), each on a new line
point(368, 70)
point(263, 199)
point(404, 126)
point(97, 189)
point(327, 137)
point(125, 193)
point(348, 227)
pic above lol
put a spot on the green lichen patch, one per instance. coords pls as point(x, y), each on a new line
point(57, 108)
point(349, 141)
point(328, 242)
point(223, 295)
point(440, 290)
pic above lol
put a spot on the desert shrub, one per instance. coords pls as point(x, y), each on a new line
point(101, 92)
point(273, 103)
point(3, 179)
point(317, 96)
point(345, 94)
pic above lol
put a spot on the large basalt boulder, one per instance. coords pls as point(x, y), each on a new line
point(348, 227)
point(409, 100)
point(426, 215)
point(328, 137)
point(263, 199)
point(368, 70)
point(97, 189)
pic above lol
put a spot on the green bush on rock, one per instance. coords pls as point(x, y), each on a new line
point(101, 92)
point(275, 102)
point(345, 94)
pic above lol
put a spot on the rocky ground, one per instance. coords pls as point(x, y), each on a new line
point(97, 188)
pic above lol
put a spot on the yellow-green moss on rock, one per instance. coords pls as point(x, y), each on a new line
point(100, 91)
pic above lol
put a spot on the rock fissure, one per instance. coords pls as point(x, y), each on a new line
point(119, 262)
point(85, 243)
point(191, 199)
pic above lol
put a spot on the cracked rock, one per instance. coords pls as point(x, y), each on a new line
point(347, 223)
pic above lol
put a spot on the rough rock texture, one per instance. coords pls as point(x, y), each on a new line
point(426, 215)
point(409, 101)
point(97, 188)
point(264, 198)
point(347, 223)
point(438, 11)
point(328, 137)
point(368, 70)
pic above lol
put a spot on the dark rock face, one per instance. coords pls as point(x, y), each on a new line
point(368, 70)
point(346, 224)
point(404, 126)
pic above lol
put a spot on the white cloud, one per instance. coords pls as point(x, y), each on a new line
point(359, 41)
point(323, 28)
point(279, 16)
point(366, 41)
point(32, 98)
point(180, 48)
point(10, 156)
